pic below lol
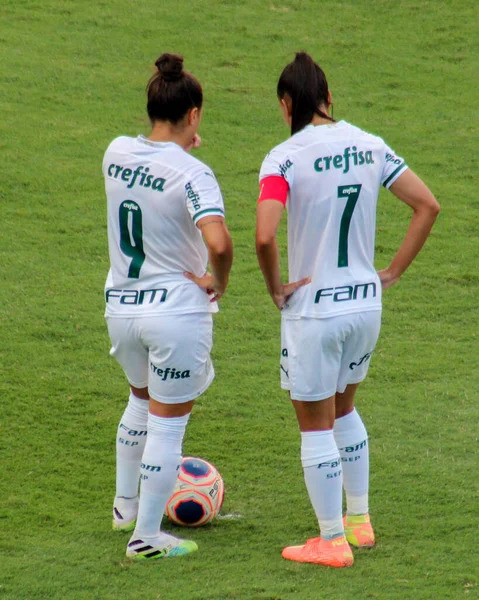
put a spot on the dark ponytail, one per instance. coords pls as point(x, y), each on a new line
point(171, 91)
point(305, 82)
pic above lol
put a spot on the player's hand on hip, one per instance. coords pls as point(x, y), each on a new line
point(208, 284)
point(387, 278)
point(288, 289)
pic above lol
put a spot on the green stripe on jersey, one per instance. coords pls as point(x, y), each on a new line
point(216, 211)
point(395, 172)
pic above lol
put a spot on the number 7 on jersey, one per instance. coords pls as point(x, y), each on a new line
point(351, 192)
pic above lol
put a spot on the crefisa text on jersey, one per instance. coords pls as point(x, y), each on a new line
point(140, 176)
point(343, 161)
point(136, 297)
point(193, 196)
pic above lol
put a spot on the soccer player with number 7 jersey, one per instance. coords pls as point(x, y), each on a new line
point(328, 175)
point(165, 223)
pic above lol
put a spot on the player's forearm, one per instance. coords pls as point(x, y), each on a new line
point(417, 233)
point(220, 260)
point(268, 258)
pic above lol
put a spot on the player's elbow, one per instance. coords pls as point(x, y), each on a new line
point(430, 206)
point(264, 240)
point(435, 207)
point(221, 246)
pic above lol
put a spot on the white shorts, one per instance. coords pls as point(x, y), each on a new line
point(170, 355)
point(320, 357)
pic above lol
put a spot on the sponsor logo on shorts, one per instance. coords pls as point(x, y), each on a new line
point(346, 293)
point(363, 359)
point(169, 373)
point(136, 297)
point(284, 354)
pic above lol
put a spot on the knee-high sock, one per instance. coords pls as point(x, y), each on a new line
point(159, 470)
point(322, 474)
point(352, 440)
point(130, 443)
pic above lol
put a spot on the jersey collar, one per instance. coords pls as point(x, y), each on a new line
point(144, 140)
point(326, 126)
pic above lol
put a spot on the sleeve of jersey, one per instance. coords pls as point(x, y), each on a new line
point(393, 167)
point(275, 176)
point(203, 196)
point(274, 187)
point(104, 165)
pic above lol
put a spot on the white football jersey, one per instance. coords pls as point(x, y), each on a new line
point(156, 193)
point(334, 173)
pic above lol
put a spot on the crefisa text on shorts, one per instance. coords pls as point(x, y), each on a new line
point(169, 373)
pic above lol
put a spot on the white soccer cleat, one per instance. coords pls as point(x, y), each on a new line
point(125, 511)
point(161, 546)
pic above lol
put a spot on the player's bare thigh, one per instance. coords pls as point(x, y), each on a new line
point(316, 415)
point(161, 409)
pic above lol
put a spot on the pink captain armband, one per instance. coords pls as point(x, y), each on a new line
point(274, 187)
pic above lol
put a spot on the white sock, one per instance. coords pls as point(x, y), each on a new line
point(352, 440)
point(130, 443)
point(322, 474)
point(159, 470)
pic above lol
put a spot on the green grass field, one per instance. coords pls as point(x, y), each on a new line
point(73, 76)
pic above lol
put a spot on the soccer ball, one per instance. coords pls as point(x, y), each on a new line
point(198, 495)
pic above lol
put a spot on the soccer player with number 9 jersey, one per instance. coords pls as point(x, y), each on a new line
point(165, 222)
point(328, 175)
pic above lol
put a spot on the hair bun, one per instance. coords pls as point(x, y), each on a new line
point(303, 57)
point(170, 66)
